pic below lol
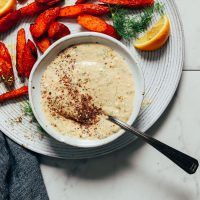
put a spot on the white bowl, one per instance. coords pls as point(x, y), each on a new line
point(51, 53)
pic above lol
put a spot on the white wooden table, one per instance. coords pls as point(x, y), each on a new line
point(138, 171)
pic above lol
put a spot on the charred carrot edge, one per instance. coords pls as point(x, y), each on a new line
point(48, 2)
point(80, 1)
point(112, 32)
point(36, 7)
point(4, 53)
point(21, 42)
point(6, 68)
point(57, 30)
point(29, 59)
point(43, 21)
point(43, 1)
point(129, 3)
point(33, 9)
point(14, 94)
point(54, 2)
point(9, 20)
point(43, 43)
point(32, 48)
point(6, 73)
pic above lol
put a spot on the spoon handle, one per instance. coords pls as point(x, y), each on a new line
point(184, 161)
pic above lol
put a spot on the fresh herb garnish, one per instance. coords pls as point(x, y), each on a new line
point(159, 8)
point(29, 112)
point(130, 26)
point(40, 129)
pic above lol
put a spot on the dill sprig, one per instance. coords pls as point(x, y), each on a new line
point(29, 112)
point(159, 8)
point(130, 26)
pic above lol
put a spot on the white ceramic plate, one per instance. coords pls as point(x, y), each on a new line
point(50, 55)
point(162, 71)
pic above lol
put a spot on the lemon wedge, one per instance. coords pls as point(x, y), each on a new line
point(7, 6)
point(155, 37)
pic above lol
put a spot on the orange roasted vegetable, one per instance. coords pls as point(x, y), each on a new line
point(57, 30)
point(43, 1)
point(54, 2)
point(30, 57)
point(80, 1)
point(94, 9)
point(70, 11)
point(33, 9)
point(36, 8)
point(87, 8)
point(9, 20)
point(112, 32)
point(92, 23)
point(21, 42)
point(4, 52)
point(97, 24)
point(6, 69)
point(43, 22)
point(14, 94)
point(32, 48)
point(43, 43)
point(129, 3)
point(49, 2)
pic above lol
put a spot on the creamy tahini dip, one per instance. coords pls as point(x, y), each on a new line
point(83, 85)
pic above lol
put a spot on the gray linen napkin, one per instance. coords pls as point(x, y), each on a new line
point(20, 175)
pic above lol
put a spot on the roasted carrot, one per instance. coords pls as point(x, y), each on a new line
point(87, 8)
point(26, 54)
point(6, 69)
point(32, 48)
point(97, 24)
point(43, 1)
point(129, 3)
point(14, 94)
point(94, 9)
point(57, 30)
point(54, 2)
point(6, 73)
point(4, 53)
point(43, 22)
point(80, 1)
point(49, 2)
point(21, 42)
point(112, 32)
point(36, 7)
point(70, 11)
point(9, 20)
point(92, 23)
point(33, 9)
point(43, 43)
point(30, 58)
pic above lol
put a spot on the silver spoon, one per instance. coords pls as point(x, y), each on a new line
point(184, 161)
